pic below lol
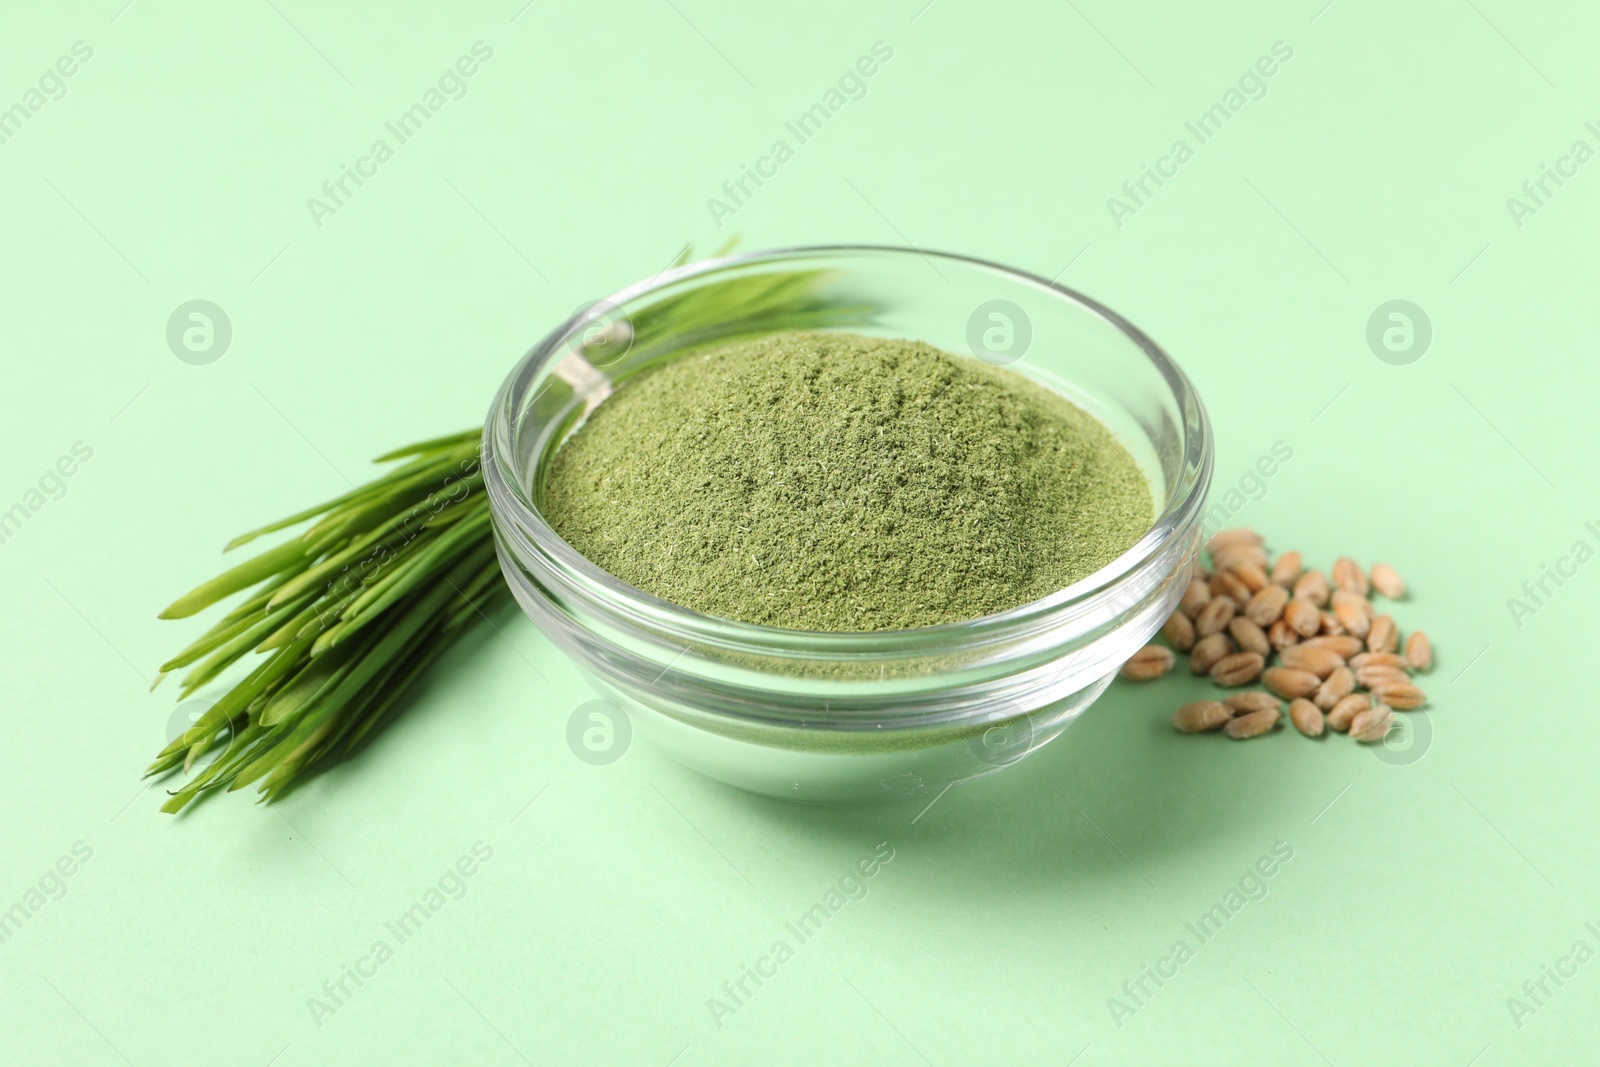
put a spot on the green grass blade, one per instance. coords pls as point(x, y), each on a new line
point(228, 654)
point(377, 485)
point(273, 561)
point(449, 442)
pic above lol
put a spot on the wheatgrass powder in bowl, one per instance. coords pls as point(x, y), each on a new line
point(836, 482)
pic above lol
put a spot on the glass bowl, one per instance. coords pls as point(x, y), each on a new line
point(817, 716)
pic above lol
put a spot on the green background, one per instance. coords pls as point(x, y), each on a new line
point(1426, 885)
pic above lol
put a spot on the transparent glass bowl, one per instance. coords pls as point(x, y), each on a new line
point(850, 716)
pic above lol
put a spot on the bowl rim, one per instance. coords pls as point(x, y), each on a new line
point(1169, 523)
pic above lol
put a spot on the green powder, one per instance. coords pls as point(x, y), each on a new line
point(828, 481)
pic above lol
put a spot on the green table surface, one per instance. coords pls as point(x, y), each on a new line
point(1428, 890)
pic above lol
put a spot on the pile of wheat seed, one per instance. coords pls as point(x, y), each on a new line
point(1323, 647)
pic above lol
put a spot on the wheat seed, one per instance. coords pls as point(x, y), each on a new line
point(1206, 651)
point(1194, 597)
point(1384, 635)
point(1342, 645)
point(1179, 632)
point(1253, 576)
point(1312, 659)
point(1228, 584)
point(1387, 580)
point(1282, 635)
point(1266, 606)
point(1347, 574)
point(1352, 619)
point(1241, 703)
point(1303, 615)
point(1341, 714)
point(1371, 677)
point(1241, 668)
point(1356, 600)
point(1248, 636)
point(1235, 556)
point(1252, 724)
point(1401, 695)
point(1313, 586)
point(1200, 716)
point(1213, 618)
point(1334, 688)
point(1151, 661)
point(1419, 651)
point(1307, 717)
point(1371, 725)
point(1239, 535)
point(1289, 683)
